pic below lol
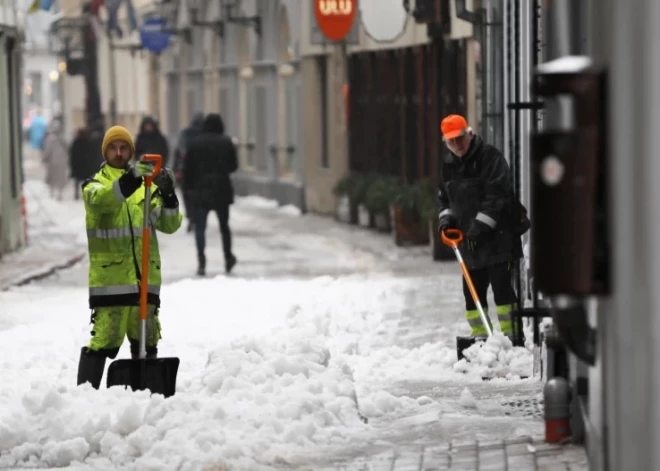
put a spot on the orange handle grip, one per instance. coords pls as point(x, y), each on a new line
point(158, 159)
point(144, 281)
point(452, 237)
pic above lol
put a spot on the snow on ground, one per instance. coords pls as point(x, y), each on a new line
point(267, 372)
point(272, 370)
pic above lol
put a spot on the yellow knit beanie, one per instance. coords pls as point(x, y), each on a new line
point(117, 133)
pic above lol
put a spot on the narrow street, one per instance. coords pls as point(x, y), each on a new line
point(318, 321)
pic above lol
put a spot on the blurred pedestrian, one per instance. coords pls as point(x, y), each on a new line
point(185, 137)
point(84, 161)
point(150, 140)
point(210, 159)
point(56, 158)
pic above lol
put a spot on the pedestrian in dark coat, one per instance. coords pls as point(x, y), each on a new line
point(150, 140)
point(185, 138)
point(210, 159)
point(476, 195)
point(84, 161)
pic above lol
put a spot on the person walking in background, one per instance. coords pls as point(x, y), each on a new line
point(150, 140)
point(84, 161)
point(56, 157)
point(37, 132)
point(185, 137)
point(210, 159)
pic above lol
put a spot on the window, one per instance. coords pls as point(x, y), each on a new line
point(225, 107)
point(323, 89)
point(291, 123)
point(251, 128)
point(261, 130)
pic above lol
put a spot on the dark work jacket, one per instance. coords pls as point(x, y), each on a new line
point(210, 159)
point(479, 186)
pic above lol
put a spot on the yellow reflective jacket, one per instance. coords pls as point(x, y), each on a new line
point(114, 239)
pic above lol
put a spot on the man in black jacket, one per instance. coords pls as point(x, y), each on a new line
point(185, 137)
point(476, 196)
point(210, 159)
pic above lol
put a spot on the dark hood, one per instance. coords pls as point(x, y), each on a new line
point(214, 123)
point(149, 120)
point(197, 120)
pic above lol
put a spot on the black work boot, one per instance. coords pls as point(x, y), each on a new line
point(201, 265)
point(230, 261)
point(90, 367)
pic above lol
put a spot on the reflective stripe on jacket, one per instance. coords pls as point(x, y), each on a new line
point(114, 238)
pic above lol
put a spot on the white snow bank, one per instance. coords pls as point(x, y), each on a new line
point(266, 373)
point(253, 201)
point(496, 357)
point(438, 361)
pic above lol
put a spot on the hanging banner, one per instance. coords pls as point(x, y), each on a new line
point(335, 17)
point(383, 20)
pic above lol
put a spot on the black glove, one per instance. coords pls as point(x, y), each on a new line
point(165, 181)
point(478, 233)
point(447, 222)
point(129, 182)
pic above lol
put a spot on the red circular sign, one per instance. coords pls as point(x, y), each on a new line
point(335, 17)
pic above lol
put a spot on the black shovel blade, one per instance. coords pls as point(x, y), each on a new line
point(158, 375)
point(463, 343)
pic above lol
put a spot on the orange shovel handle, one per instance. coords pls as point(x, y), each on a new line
point(146, 232)
point(452, 237)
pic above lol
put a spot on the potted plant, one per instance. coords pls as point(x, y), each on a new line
point(409, 226)
point(378, 198)
point(428, 206)
point(344, 190)
point(362, 184)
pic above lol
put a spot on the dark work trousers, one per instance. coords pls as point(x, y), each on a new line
point(201, 215)
point(498, 277)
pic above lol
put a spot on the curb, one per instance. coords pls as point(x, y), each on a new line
point(45, 272)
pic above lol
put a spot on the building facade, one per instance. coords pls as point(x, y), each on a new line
point(249, 73)
point(126, 73)
point(281, 89)
point(12, 229)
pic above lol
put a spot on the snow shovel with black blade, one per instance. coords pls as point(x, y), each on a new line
point(158, 375)
point(453, 238)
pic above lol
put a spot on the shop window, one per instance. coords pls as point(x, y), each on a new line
point(261, 129)
point(291, 123)
point(252, 125)
point(321, 65)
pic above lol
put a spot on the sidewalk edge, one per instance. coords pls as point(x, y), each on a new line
point(44, 272)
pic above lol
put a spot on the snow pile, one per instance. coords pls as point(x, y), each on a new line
point(264, 376)
point(467, 400)
point(496, 357)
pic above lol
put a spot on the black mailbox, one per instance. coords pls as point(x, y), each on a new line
point(570, 240)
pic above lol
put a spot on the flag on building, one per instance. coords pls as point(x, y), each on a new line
point(37, 5)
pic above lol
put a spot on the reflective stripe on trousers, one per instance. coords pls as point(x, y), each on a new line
point(503, 317)
point(120, 289)
point(477, 326)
